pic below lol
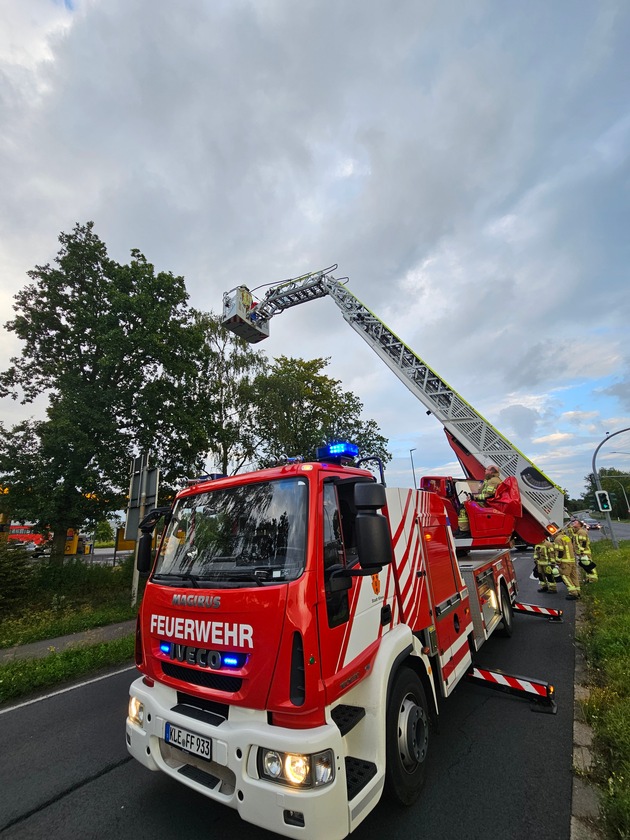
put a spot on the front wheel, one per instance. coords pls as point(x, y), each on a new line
point(507, 625)
point(407, 738)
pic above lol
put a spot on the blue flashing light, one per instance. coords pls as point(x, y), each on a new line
point(233, 660)
point(165, 647)
point(338, 449)
point(230, 661)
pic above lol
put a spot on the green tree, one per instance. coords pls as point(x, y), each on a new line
point(222, 388)
point(103, 532)
point(298, 407)
point(113, 346)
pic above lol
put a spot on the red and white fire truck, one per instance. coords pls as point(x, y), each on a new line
point(301, 627)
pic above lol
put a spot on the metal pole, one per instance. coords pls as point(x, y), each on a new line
point(598, 483)
point(144, 468)
point(411, 451)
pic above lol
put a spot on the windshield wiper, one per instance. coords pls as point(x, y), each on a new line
point(194, 579)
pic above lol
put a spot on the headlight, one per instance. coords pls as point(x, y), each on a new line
point(297, 769)
point(136, 711)
point(272, 764)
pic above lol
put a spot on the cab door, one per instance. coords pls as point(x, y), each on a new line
point(349, 618)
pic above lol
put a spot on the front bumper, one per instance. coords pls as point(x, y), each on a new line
point(231, 777)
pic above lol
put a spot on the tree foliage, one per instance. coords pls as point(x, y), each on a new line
point(226, 367)
point(129, 367)
point(298, 408)
point(113, 346)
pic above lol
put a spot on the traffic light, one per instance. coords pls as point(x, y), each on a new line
point(603, 501)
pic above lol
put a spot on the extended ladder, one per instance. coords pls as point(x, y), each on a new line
point(470, 434)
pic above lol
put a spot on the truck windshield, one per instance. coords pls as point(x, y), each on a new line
point(254, 534)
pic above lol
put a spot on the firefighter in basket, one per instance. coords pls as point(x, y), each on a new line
point(546, 570)
point(582, 548)
point(567, 563)
point(489, 487)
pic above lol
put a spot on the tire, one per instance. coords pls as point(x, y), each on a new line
point(407, 738)
point(506, 628)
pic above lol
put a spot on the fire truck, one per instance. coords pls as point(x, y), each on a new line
point(300, 628)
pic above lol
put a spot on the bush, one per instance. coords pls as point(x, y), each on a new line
point(16, 574)
point(68, 599)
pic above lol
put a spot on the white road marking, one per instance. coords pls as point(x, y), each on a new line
point(65, 690)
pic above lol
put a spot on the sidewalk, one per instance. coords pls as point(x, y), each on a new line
point(37, 650)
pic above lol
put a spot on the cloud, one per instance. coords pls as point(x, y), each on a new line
point(464, 165)
point(519, 419)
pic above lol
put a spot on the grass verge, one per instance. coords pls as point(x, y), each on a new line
point(606, 641)
point(26, 676)
point(61, 620)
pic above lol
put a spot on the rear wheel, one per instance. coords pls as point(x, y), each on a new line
point(407, 734)
point(507, 625)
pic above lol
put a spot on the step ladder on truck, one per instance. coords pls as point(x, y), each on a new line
point(300, 629)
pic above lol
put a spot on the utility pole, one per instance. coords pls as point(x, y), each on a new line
point(411, 451)
point(598, 483)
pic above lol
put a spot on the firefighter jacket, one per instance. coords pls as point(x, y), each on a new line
point(581, 542)
point(488, 488)
point(542, 553)
point(564, 548)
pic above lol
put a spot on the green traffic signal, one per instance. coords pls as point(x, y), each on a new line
point(603, 500)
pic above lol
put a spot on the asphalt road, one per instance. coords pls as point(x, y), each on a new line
point(496, 768)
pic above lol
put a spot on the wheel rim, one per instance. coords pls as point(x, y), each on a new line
point(412, 734)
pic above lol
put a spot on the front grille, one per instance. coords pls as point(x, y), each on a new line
point(205, 679)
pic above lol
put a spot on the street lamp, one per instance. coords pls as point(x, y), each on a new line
point(598, 483)
point(411, 451)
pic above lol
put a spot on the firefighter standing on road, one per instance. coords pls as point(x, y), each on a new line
point(548, 572)
point(582, 547)
point(567, 565)
point(490, 483)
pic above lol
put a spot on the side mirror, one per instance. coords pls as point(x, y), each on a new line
point(374, 543)
point(338, 579)
point(369, 496)
point(143, 561)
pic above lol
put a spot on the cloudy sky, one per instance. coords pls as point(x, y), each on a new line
point(465, 164)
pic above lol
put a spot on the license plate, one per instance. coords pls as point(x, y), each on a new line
point(188, 741)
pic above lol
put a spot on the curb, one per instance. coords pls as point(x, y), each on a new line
point(585, 796)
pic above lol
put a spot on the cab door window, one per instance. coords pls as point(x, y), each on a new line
point(334, 555)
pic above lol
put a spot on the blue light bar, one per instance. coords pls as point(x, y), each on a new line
point(165, 647)
point(233, 660)
point(337, 449)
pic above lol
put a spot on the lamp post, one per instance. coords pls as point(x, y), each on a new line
point(411, 451)
point(598, 483)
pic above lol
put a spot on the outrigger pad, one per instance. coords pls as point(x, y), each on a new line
point(541, 694)
point(534, 609)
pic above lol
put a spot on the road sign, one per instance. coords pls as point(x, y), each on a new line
point(143, 489)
